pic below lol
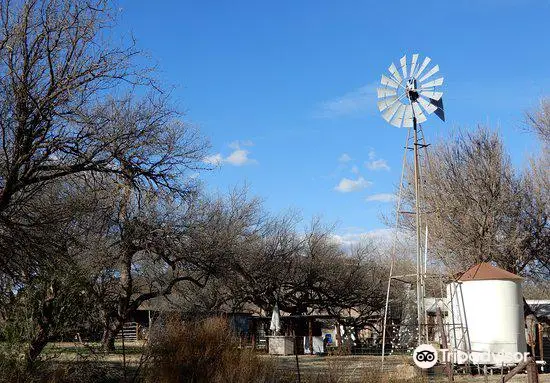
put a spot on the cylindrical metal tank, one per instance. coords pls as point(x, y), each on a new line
point(486, 315)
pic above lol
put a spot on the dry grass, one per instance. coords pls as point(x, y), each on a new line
point(206, 351)
point(203, 351)
point(346, 370)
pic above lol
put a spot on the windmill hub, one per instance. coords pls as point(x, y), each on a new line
point(412, 92)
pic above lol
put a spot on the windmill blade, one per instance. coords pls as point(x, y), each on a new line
point(413, 64)
point(403, 62)
point(386, 102)
point(431, 94)
point(431, 84)
point(390, 111)
point(385, 92)
point(428, 107)
point(389, 82)
point(423, 66)
point(408, 116)
point(397, 119)
point(431, 72)
point(418, 113)
point(395, 74)
point(394, 103)
point(440, 111)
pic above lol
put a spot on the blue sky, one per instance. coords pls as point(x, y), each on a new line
point(285, 91)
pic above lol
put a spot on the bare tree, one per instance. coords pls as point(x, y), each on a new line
point(149, 245)
point(308, 273)
point(356, 292)
point(124, 220)
point(43, 300)
point(480, 209)
point(53, 66)
point(58, 120)
point(538, 120)
point(265, 268)
point(537, 179)
point(51, 303)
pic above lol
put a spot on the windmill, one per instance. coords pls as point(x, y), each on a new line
point(406, 97)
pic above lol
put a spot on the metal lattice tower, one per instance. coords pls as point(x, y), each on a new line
point(407, 96)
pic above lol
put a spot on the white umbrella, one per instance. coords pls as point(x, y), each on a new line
point(275, 319)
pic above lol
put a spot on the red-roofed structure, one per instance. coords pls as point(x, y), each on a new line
point(486, 271)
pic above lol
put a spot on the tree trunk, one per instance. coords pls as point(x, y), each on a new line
point(111, 328)
point(36, 346)
point(108, 339)
point(44, 323)
point(339, 338)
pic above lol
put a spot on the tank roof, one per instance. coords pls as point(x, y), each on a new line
point(486, 271)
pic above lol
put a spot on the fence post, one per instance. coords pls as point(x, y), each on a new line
point(310, 335)
point(541, 347)
point(525, 365)
point(532, 373)
point(448, 366)
point(123, 354)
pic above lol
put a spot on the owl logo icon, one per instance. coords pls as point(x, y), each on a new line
point(425, 356)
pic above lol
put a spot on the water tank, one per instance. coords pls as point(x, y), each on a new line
point(485, 315)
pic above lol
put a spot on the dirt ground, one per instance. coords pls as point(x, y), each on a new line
point(344, 368)
point(354, 368)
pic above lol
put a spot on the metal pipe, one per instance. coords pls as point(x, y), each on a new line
point(419, 263)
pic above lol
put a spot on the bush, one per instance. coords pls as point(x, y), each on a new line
point(13, 370)
point(202, 351)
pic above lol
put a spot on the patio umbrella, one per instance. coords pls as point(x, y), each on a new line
point(275, 319)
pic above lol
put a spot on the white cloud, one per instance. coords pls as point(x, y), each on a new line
point(385, 240)
point(354, 235)
point(376, 164)
point(382, 197)
point(347, 185)
point(344, 158)
point(358, 101)
point(238, 157)
point(379, 164)
point(355, 169)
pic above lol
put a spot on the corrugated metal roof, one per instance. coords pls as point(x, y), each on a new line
point(486, 271)
point(541, 307)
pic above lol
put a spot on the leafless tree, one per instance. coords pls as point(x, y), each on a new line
point(479, 208)
point(59, 72)
point(307, 273)
point(538, 120)
point(120, 163)
point(51, 303)
point(354, 289)
point(44, 301)
point(149, 245)
point(537, 178)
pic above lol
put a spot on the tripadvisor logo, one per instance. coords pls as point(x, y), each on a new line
point(425, 356)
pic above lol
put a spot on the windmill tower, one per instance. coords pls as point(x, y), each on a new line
point(406, 97)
